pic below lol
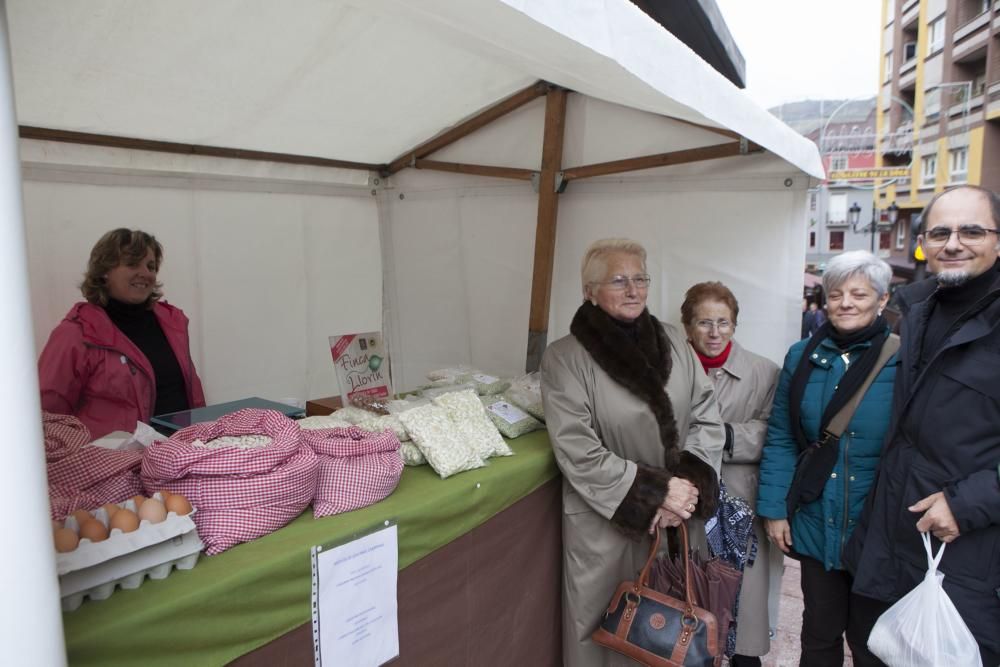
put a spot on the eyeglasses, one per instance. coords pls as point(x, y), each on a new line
point(724, 326)
point(620, 283)
point(967, 234)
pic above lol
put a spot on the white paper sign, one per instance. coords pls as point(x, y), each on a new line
point(354, 601)
point(507, 412)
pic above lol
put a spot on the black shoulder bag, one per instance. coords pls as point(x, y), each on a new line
point(815, 462)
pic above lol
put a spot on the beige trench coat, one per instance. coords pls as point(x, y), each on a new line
point(599, 430)
point(744, 389)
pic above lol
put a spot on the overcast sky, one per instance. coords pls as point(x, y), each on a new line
point(806, 49)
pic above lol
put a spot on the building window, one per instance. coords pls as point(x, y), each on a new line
point(958, 165)
point(838, 163)
point(935, 36)
point(928, 169)
point(909, 51)
point(901, 235)
point(812, 239)
point(837, 211)
point(884, 240)
point(836, 240)
point(887, 69)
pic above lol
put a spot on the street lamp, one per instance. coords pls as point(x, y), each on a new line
point(854, 215)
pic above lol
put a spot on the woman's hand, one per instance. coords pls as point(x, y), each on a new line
point(682, 498)
point(779, 532)
point(664, 518)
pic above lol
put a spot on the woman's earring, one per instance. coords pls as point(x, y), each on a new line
point(593, 302)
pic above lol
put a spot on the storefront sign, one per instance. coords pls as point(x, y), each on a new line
point(869, 174)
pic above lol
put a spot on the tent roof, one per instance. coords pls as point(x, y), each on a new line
point(358, 80)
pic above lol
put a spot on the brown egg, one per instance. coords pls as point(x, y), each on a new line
point(82, 516)
point(138, 500)
point(93, 530)
point(178, 504)
point(165, 494)
point(65, 539)
point(110, 508)
point(152, 511)
point(124, 520)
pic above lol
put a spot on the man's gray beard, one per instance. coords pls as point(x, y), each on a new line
point(953, 278)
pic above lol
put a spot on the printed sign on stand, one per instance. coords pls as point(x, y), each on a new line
point(354, 604)
point(361, 366)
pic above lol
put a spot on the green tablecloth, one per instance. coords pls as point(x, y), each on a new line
point(239, 600)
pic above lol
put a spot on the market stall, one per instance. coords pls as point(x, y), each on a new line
point(380, 165)
point(241, 600)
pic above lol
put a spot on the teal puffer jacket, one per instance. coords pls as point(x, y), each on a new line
point(821, 528)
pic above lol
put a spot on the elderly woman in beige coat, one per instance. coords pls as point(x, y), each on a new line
point(744, 388)
point(636, 433)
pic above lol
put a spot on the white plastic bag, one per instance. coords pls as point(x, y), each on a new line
point(923, 629)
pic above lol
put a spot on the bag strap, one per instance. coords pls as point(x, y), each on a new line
point(836, 427)
point(643, 580)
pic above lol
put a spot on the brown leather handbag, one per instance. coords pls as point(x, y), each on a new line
point(656, 629)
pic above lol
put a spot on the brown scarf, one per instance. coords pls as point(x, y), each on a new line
point(640, 364)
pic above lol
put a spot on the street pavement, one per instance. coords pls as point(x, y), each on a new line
point(785, 643)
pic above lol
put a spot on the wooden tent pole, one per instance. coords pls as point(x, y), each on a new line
point(660, 160)
point(545, 230)
point(467, 127)
point(475, 169)
point(92, 139)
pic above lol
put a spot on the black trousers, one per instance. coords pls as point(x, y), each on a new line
point(831, 611)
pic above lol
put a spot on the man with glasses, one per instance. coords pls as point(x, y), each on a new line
point(939, 470)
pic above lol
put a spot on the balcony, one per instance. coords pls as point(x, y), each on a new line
point(909, 13)
point(968, 46)
point(972, 27)
point(908, 75)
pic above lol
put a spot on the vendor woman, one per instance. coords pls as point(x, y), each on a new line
point(122, 355)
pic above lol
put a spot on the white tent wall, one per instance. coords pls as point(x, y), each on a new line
point(461, 248)
point(267, 260)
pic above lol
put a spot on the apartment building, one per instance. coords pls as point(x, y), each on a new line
point(841, 210)
point(938, 111)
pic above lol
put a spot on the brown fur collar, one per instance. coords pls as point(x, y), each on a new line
point(642, 366)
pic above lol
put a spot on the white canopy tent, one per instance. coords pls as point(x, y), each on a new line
point(276, 150)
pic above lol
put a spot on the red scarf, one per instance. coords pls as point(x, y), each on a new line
point(714, 362)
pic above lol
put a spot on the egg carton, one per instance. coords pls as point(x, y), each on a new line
point(118, 543)
point(128, 571)
point(95, 569)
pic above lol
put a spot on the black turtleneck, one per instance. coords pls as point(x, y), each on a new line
point(950, 306)
point(139, 323)
point(630, 329)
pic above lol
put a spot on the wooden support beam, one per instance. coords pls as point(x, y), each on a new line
point(475, 169)
point(68, 136)
point(717, 130)
point(463, 129)
point(545, 230)
point(659, 160)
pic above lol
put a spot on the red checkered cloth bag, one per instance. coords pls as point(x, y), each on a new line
point(82, 477)
point(356, 468)
point(240, 493)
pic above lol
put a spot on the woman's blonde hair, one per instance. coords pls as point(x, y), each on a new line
point(119, 246)
point(595, 261)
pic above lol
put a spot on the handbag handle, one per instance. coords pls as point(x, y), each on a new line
point(643, 580)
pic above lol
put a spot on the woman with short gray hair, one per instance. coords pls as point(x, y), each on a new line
point(812, 518)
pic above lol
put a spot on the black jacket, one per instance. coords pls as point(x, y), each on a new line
point(944, 436)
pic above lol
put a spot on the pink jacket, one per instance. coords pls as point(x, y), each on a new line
point(91, 370)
